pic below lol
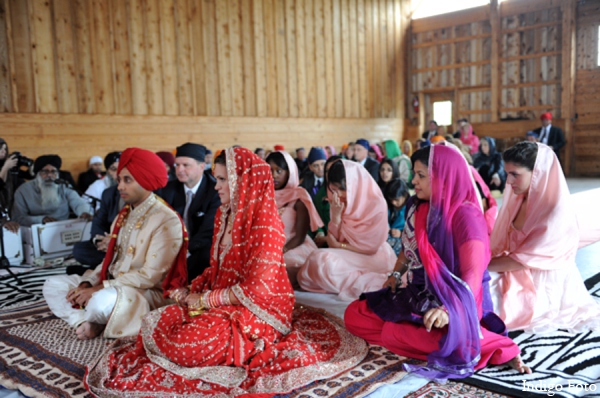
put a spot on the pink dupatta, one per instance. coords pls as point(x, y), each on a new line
point(293, 192)
point(548, 240)
point(364, 221)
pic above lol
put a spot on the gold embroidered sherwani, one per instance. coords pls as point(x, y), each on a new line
point(147, 245)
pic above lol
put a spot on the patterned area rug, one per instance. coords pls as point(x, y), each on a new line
point(563, 364)
point(40, 356)
point(453, 390)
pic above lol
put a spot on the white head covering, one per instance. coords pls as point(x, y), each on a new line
point(95, 159)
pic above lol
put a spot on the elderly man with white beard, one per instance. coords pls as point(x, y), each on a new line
point(41, 200)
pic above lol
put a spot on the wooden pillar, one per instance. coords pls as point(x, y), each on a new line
point(568, 80)
point(495, 61)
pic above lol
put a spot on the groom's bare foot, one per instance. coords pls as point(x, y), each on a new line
point(517, 363)
point(89, 330)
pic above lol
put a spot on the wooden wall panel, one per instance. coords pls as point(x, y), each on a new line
point(65, 56)
point(35, 135)
point(586, 134)
point(102, 66)
point(121, 57)
point(285, 58)
point(43, 54)
point(544, 55)
point(6, 102)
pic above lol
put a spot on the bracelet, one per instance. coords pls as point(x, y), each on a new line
point(396, 274)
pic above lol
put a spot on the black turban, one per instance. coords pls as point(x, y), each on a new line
point(190, 150)
point(44, 160)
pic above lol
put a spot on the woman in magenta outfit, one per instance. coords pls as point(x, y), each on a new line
point(444, 313)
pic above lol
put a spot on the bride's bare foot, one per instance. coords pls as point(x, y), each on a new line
point(517, 363)
point(89, 330)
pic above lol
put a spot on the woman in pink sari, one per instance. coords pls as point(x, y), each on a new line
point(444, 313)
point(297, 212)
point(534, 243)
point(358, 255)
point(469, 138)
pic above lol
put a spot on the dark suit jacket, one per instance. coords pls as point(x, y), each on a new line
point(372, 167)
point(425, 135)
point(556, 139)
point(109, 208)
point(201, 214)
point(308, 183)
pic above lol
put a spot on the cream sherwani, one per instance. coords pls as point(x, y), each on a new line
point(147, 245)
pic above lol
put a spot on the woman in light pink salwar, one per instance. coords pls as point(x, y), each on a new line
point(358, 258)
point(296, 210)
point(538, 287)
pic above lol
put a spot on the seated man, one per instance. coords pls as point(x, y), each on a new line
point(94, 192)
point(194, 197)
point(92, 174)
point(42, 200)
point(312, 180)
point(146, 253)
point(91, 252)
point(301, 160)
point(361, 152)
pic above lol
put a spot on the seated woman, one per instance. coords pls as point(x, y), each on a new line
point(468, 137)
point(297, 212)
point(388, 171)
point(392, 151)
point(232, 334)
point(444, 314)
point(534, 244)
point(357, 253)
point(490, 165)
point(396, 194)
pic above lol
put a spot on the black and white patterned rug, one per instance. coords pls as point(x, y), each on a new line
point(29, 291)
point(563, 364)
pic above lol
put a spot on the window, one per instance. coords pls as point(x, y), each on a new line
point(428, 8)
point(442, 113)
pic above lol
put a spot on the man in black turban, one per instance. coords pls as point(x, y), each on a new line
point(41, 200)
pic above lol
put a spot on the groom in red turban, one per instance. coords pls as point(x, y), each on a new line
point(145, 256)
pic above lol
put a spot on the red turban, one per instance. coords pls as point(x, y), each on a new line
point(547, 116)
point(146, 167)
point(279, 148)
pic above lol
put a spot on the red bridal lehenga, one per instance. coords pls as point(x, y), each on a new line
point(259, 348)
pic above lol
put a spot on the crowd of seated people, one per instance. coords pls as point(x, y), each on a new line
point(416, 269)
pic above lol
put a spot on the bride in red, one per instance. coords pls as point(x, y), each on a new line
point(235, 332)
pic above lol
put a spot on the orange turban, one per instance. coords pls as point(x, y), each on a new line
point(547, 116)
point(145, 166)
point(437, 138)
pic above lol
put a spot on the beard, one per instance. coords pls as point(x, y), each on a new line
point(110, 182)
point(49, 193)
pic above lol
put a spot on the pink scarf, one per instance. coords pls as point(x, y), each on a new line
point(364, 220)
point(293, 192)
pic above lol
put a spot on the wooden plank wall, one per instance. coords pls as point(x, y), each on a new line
point(71, 136)
point(285, 60)
point(276, 58)
point(532, 44)
point(587, 90)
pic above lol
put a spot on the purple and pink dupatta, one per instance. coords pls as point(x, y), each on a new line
point(452, 187)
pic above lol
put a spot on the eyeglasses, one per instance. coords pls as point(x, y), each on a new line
point(49, 172)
